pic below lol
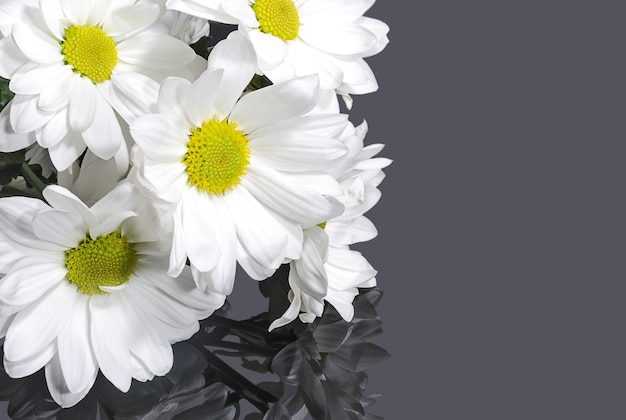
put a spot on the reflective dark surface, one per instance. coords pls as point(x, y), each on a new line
point(236, 369)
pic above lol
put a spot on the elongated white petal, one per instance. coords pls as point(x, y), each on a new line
point(47, 316)
point(9, 140)
point(110, 340)
point(275, 103)
point(154, 50)
point(287, 198)
point(60, 227)
point(261, 236)
point(201, 244)
point(237, 59)
point(130, 19)
point(104, 135)
point(83, 103)
point(75, 354)
point(29, 365)
point(200, 99)
point(29, 279)
point(62, 199)
point(133, 95)
point(36, 44)
point(58, 387)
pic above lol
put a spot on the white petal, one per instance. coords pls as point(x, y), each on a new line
point(346, 40)
point(83, 103)
point(129, 19)
point(325, 11)
point(109, 340)
point(52, 13)
point(28, 366)
point(12, 57)
point(158, 138)
point(29, 279)
point(9, 140)
point(152, 349)
point(200, 99)
point(275, 103)
point(155, 51)
point(297, 151)
point(348, 232)
point(238, 60)
point(67, 151)
point(16, 217)
point(58, 387)
point(133, 95)
point(201, 243)
point(36, 44)
point(26, 114)
point(290, 314)
point(59, 227)
point(75, 354)
point(38, 324)
point(261, 237)
point(54, 131)
point(309, 271)
point(104, 135)
point(287, 198)
point(62, 199)
point(32, 78)
point(271, 50)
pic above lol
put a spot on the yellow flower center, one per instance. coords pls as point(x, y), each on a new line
point(108, 260)
point(322, 225)
point(217, 156)
point(90, 52)
point(277, 17)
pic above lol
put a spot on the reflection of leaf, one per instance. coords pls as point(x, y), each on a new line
point(5, 93)
point(359, 357)
point(286, 364)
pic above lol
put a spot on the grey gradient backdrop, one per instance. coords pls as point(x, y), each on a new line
point(501, 226)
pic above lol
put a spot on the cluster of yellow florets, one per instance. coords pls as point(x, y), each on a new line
point(217, 156)
point(108, 260)
point(90, 51)
point(277, 17)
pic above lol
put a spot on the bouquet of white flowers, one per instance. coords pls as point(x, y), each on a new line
point(144, 159)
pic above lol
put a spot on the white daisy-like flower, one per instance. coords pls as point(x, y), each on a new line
point(328, 270)
point(183, 26)
point(294, 38)
point(86, 289)
point(245, 174)
point(60, 56)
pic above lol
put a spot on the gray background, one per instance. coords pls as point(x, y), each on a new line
point(501, 226)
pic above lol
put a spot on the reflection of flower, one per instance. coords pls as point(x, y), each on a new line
point(183, 392)
point(87, 289)
point(328, 362)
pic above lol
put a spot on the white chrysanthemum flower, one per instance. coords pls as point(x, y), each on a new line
point(244, 175)
point(60, 57)
point(86, 289)
point(328, 269)
point(295, 38)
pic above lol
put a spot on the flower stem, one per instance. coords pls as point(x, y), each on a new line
point(31, 178)
point(233, 379)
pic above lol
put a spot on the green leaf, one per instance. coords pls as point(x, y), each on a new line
point(10, 166)
point(5, 93)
